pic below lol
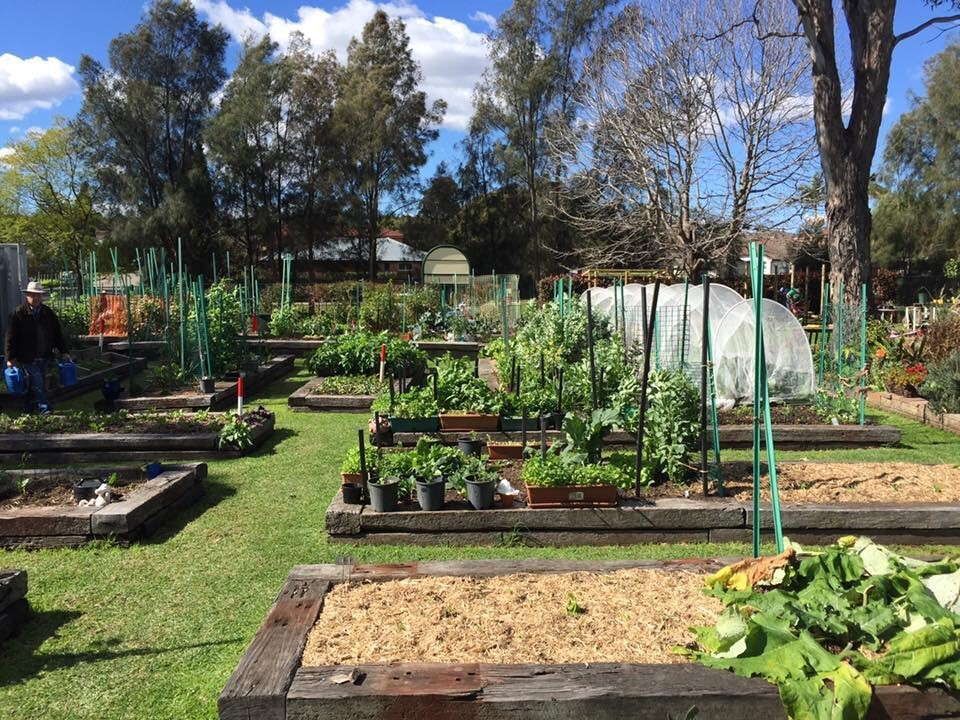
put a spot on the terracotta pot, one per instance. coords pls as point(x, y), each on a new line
point(506, 501)
point(505, 451)
point(572, 496)
point(469, 421)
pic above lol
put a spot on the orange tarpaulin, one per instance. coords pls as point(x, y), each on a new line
point(108, 315)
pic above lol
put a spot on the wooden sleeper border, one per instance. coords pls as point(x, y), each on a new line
point(13, 602)
point(97, 447)
point(305, 399)
point(120, 367)
point(665, 520)
point(787, 437)
point(224, 396)
point(69, 526)
point(916, 409)
point(270, 684)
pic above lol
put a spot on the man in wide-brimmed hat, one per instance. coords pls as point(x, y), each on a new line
point(33, 335)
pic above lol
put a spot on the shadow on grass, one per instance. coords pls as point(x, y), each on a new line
point(269, 447)
point(22, 659)
point(279, 389)
point(213, 493)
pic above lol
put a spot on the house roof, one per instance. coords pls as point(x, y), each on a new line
point(777, 244)
point(389, 249)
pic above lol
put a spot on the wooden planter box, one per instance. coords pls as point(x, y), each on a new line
point(461, 422)
point(661, 520)
point(786, 437)
point(270, 683)
point(68, 525)
point(572, 496)
point(97, 447)
point(119, 367)
point(224, 395)
point(13, 602)
point(305, 399)
point(914, 408)
point(505, 451)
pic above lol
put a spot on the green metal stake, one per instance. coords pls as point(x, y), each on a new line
point(183, 307)
point(824, 319)
point(863, 354)
point(757, 340)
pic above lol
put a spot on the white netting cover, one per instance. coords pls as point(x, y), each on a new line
point(722, 300)
point(790, 374)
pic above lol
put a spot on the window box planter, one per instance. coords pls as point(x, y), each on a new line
point(468, 421)
point(515, 424)
point(426, 424)
point(572, 496)
point(505, 450)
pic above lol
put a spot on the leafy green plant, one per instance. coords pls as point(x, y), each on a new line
point(836, 405)
point(351, 460)
point(113, 480)
point(671, 426)
point(349, 385)
point(235, 433)
point(470, 468)
point(165, 377)
point(358, 353)
point(573, 606)
point(415, 403)
point(824, 625)
point(458, 389)
point(584, 437)
point(942, 386)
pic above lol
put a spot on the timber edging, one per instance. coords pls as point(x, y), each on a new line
point(130, 519)
point(787, 437)
point(269, 682)
point(94, 447)
point(664, 520)
point(224, 395)
point(916, 409)
point(303, 398)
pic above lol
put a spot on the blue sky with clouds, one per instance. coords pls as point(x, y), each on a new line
point(41, 43)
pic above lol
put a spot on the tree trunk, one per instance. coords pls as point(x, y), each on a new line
point(849, 220)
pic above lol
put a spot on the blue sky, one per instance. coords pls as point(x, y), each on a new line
point(41, 41)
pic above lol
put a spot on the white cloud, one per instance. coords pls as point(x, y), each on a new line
point(451, 55)
point(486, 18)
point(14, 129)
point(28, 84)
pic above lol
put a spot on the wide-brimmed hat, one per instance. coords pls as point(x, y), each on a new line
point(35, 288)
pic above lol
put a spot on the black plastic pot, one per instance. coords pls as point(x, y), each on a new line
point(111, 390)
point(555, 420)
point(85, 489)
point(208, 385)
point(352, 493)
point(480, 494)
point(383, 496)
point(469, 446)
point(430, 495)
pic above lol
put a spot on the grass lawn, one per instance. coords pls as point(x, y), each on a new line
point(154, 630)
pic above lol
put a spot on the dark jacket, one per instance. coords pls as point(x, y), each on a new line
point(32, 335)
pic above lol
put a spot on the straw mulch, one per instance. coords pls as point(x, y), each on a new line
point(856, 483)
point(633, 616)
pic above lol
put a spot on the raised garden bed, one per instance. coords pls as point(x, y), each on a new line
point(312, 396)
point(224, 395)
point(187, 438)
point(148, 348)
point(109, 365)
point(819, 502)
point(13, 602)
point(50, 517)
point(277, 678)
point(914, 408)
point(788, 437)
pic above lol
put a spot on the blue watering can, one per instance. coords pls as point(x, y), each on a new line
point(68, 373)
point(16, 381)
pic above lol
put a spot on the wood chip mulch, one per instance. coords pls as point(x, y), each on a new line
point(631, 616)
